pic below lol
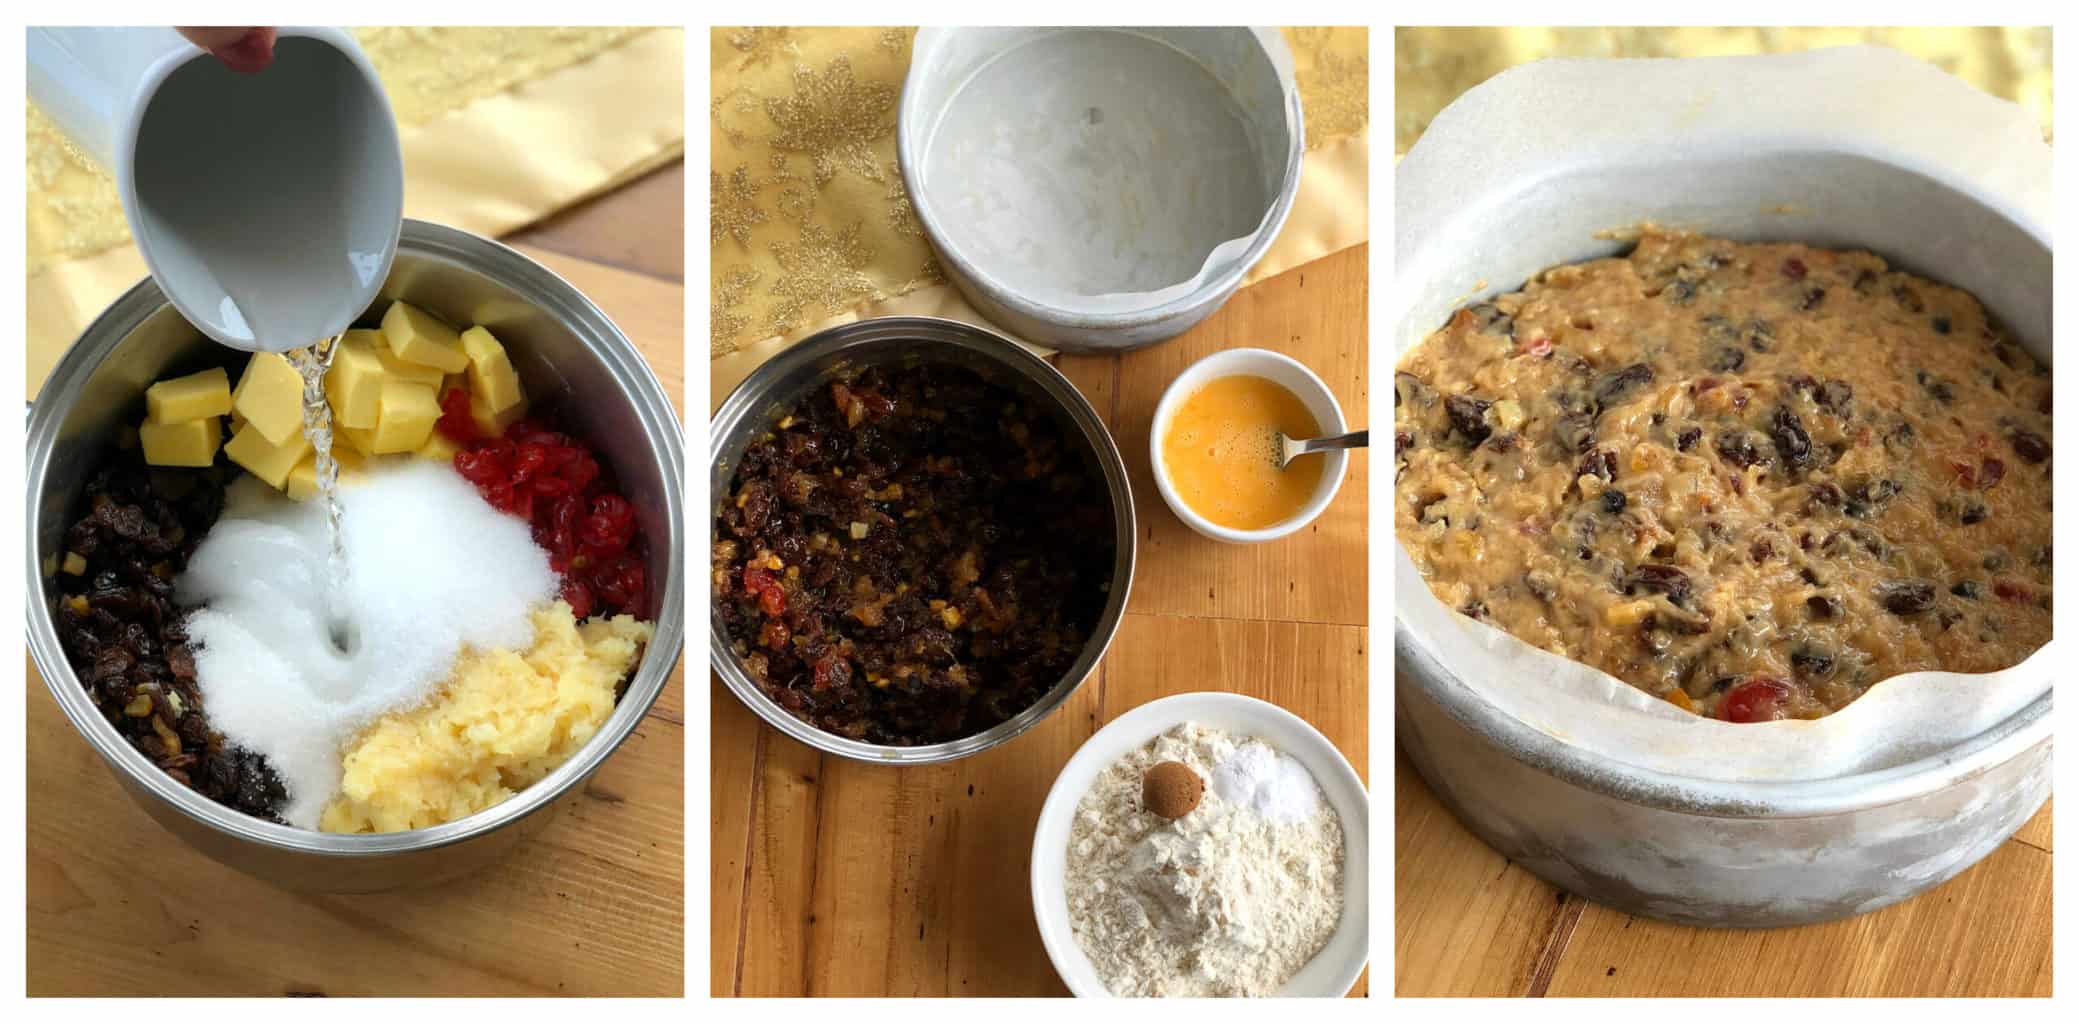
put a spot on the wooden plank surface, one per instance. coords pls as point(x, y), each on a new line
point(592, 905)
point(1469, 923)
point(836, 878)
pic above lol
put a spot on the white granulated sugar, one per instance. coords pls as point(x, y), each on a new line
point(432, 568)
point(1232, 899)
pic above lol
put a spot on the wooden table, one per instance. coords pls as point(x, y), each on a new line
point(1469, 923)
point(593, 905)
point(836, 878)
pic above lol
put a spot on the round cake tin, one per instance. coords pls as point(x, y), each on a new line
point(568, 354)
point(779, 384)
point(1960, 197)
point(1099, 189)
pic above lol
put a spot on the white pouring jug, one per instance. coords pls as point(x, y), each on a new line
point(267, 205)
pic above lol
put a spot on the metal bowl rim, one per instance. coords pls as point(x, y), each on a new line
point(1210, 292)
point(553, 294)
point(735, 415)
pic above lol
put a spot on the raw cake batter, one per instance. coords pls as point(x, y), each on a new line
point(1752, 479)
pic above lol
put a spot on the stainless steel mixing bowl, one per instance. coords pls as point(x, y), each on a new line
point(569, 355)
point(777, 385)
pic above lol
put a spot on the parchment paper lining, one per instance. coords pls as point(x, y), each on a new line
point(1479, 207)
point(1162, 181)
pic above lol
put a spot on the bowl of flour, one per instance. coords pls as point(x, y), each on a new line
point(1259, 890)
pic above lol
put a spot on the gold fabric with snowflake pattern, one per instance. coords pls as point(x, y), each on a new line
point(808, 218)
point(1432, 66)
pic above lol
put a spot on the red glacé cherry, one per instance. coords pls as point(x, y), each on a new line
point(546, 478)
point(1759, 699)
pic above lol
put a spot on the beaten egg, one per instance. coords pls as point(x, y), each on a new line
point(1221, 452)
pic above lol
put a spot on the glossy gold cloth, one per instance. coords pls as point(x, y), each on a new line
point(809, 223)
point(500, 127)
point(1432, 66)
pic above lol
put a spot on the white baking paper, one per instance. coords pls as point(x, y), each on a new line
point(1101, 170)
point(1858, 147)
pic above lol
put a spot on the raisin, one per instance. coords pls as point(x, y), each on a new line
point(1469, 417)
point(1936, 388)
point(1600, 463)
point(1813, 297)
point(1660, 579)
point(1741, 448)
point(1940, 324)
point(1759, 335)
point(1792, 443)
point(1728, 359)
point(1411, 390)
point(1811, 662)
point(1574, 432)
point(1974, 513)
point(1875, 493)
point(1402, 441)
point(1794, 269)
point(1824, 606)
point(1909, 298)
point(1613, 385)
point(1899, 439)
point(1826, 494)
point(2030, 446)
point(1834, 396)
point(1907, 597)
point(1613, 501)
point(1687, 439)
point(1491, 320)
point(1967, 589)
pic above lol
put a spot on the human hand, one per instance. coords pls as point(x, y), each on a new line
point(241, 49)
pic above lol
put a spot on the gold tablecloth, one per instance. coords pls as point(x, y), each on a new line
point(808, 220)
point(1432, 66)
point(500, 127)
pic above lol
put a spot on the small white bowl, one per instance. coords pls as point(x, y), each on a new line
point(1292, 376)
point(1336, 967)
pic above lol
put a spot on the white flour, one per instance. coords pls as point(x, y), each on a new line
point(1232, 899)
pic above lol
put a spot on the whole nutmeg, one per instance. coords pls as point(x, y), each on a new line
point(1171, 789)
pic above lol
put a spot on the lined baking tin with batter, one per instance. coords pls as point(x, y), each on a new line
point(1754, 480)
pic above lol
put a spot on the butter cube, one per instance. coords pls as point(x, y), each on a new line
point(303, 480)
point(406, 370)
point(492, 422)
point(439, 447)
point(75, 564)
point(417, 336)
point(265, 459)
point(189, 398)
point(186, 443)
point(354, 384)
point(270, 397)
point(491, 374)
point(408, 413)
point(360, 440)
